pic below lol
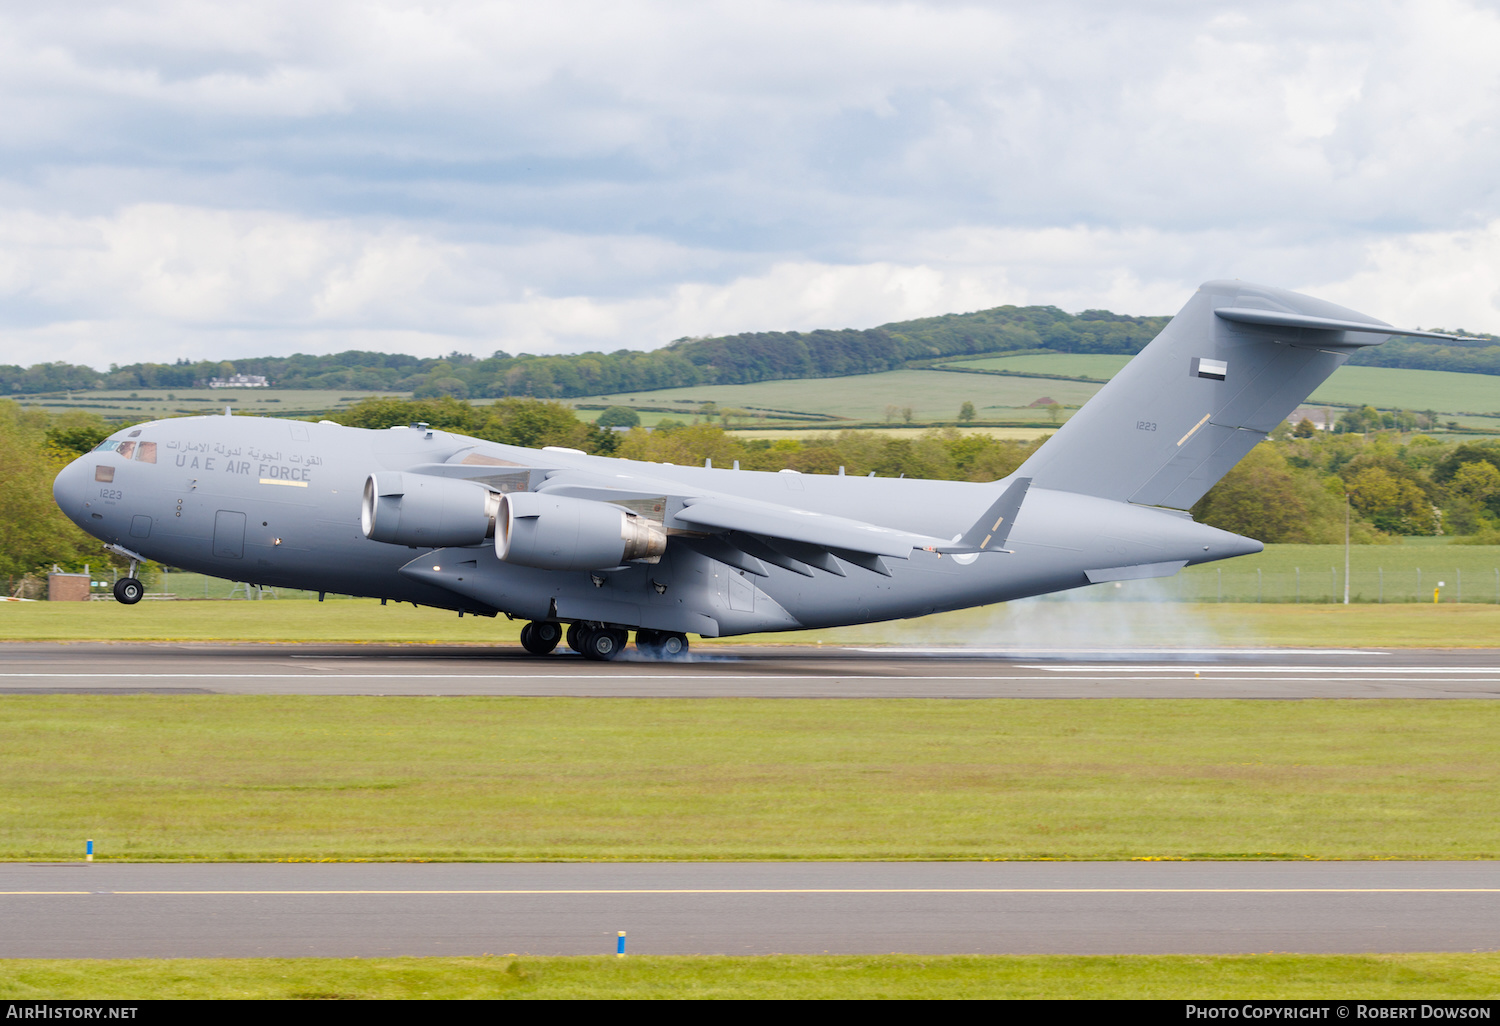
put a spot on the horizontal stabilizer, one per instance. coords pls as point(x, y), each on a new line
point(1279, 319)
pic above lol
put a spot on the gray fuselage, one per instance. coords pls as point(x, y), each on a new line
point(278, 503)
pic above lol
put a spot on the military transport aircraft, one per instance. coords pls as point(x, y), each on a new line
point(599, 546)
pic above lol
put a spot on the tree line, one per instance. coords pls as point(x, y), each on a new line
point(731, 359)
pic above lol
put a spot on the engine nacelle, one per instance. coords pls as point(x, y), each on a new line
point(414, 509)
point(554, 532)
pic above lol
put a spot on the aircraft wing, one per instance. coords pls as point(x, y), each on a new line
point(722, 513)
point(744, 532)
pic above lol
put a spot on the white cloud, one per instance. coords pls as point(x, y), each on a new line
point(185, 178)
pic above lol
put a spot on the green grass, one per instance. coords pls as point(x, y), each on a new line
point(1181, 977)
point(215, 777)
point(279, 620)
point(1315, 573)
point(1073, 620)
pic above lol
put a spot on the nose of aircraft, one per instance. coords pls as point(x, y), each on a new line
point(67, 490)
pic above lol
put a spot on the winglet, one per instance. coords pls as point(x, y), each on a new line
point(990, 531)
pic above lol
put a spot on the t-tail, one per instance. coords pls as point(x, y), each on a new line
point(1230, 367)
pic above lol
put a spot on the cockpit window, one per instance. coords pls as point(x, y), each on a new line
point(127, 449)
point(103, 473)
point(146, 452)
point(134, 434)
point(107, 445)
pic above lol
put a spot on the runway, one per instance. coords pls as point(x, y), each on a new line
point(743, 671)
point(366, 910)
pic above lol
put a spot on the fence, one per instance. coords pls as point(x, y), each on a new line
point(1310, 584)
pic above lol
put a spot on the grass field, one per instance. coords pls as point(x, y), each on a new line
point(1182, 977)
point(216, 777)
point(1069, 621)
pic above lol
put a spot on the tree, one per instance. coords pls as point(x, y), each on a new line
point(36, 533)
point(906, 414)
point(1305, 428)
point(966, 412)
point(619, 416)
point(1392, 503)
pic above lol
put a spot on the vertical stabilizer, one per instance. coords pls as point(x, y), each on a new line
point(1222, 375)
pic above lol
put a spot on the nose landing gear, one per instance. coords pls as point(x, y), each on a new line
point(128, 590)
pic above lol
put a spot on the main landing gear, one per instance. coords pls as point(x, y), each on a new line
point(540, 637)
point(601, 643)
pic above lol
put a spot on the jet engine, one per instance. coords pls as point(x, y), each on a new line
point(414, 509)
point(555, 532)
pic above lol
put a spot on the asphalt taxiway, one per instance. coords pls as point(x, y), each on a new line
point(749, 671)
point(365, 910)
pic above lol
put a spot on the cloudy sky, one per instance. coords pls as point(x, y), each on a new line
point(212, 180)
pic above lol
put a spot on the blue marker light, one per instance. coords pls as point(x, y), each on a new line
point(88, 854)
point(620, 945)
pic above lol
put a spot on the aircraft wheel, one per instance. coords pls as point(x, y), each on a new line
point(603, 644)
point(671, 646)
point(576, 631)
point(646, 642)
point(128, 591)
point(540, 637)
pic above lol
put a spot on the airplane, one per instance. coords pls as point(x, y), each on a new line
point(591, 548)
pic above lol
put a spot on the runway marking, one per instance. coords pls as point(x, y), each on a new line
point(797, 890)
point(1103, 653)
point(1210, 668)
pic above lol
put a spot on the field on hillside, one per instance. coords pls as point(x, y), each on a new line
point(155, 404)
point(1386, 387)
point(1021, 434)
point(1381, 387)
point(1102, 365)
point(932, 395)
